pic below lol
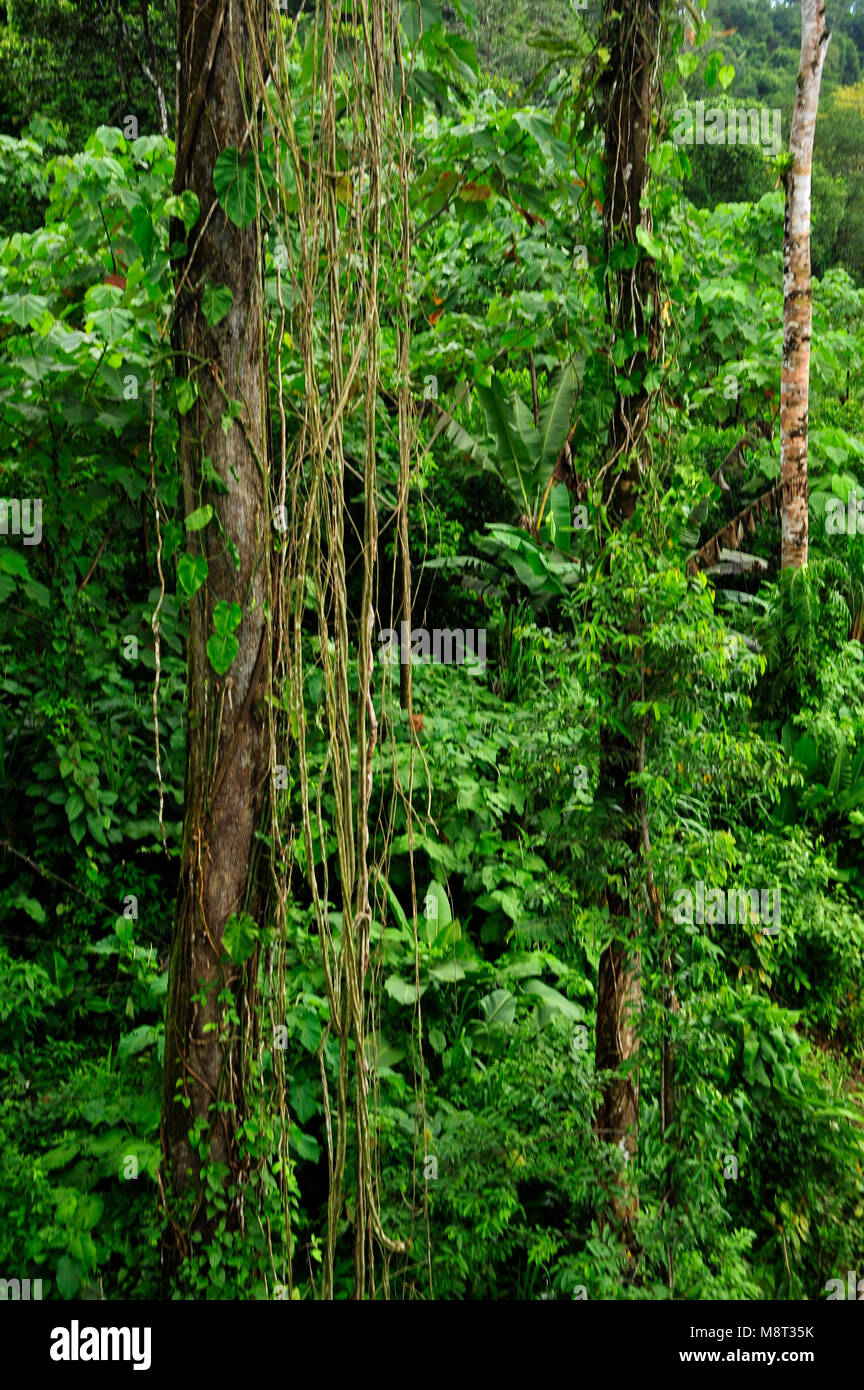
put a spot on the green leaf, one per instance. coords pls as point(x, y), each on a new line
point(398, 910)
point(38, 593)
point(110, 323)
point(59, 1156)
point(806, 752)
point(400, 990)
point(216, 302)
point(13, 562)
point(68, 1276)
point(222, 651)
point(554, 1001)
point(649, 243)
point(137, 1040)
point(514, 460)
point(31, 906)
point(227, 617)
point(448, 972)
point(235, 184)
point(185, 206)
point(725, 75)
point(240, 936)
point(186, 394)
point(143, 232)
point(555, 414)
point(191, 572)
point(303, 1145)
point(523, 965)
point(436, 910)
point(197, 520)
point(498, 1008)
point(23, 309)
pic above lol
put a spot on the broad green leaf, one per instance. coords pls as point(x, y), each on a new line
point(185, 206)
point(401, 990)
point(240, 936)
point(137, 1040)
point(186, 394)
point(191, 572)
point(555, 1001)
point(111, 324)
point(227, 617)
point(216, 302)
point(197, 520)
point(555, 414)
point(498, 1008)
point(448, 971)
point(68, 1276)
point(398, 910)
point(513, 456)
point(23, 309)
point(649, 243)
point(222, 651)
point(436, 911)
point(143, 232)
point(235, 184)
point(13, 562)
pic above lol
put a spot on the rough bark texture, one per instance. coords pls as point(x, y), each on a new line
point(632, 32)
point(227, 754)
point(797, 290)
point(629, 88)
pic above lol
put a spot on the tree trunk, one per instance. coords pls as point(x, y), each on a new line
point(797, 289)
point(227, 750)
point(632, 34)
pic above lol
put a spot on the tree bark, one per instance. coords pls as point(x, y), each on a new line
point(227, 750)
point(632, 34)
point(797, 289)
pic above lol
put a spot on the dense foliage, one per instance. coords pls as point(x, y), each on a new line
point(750, 708)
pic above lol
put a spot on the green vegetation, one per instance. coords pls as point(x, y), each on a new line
point(495, 848)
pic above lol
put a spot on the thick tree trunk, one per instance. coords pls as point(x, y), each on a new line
point(797, 289)
point(227, 753)
point(629, 90)
point(632, 34)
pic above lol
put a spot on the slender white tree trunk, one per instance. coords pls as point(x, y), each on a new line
point(797, 289)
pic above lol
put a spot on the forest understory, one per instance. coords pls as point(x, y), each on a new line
point(431, 668)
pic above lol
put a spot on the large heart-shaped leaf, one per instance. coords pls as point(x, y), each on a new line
point(235, 184)
point(222, 649)
point(226, 617)
point(240, 936)
point(191, 573)
point(216, 302)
